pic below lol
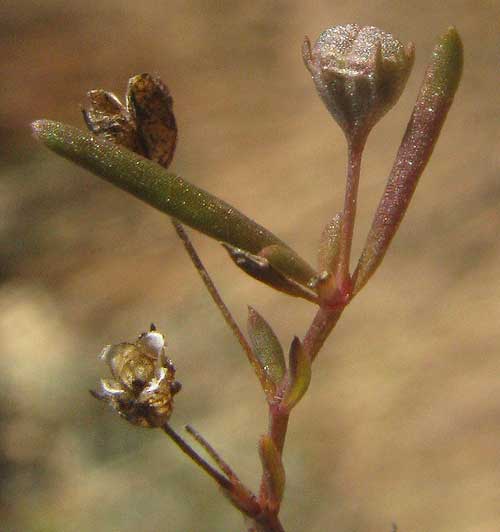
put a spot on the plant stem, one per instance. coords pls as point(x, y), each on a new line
point(270, 523)
point(278, 420)
point(187, 449)
point(326, 317)
point(212, 453)
point(278, 425)
point(210, 286)
point(355, 151)
point(266, 523)
point(319, 330)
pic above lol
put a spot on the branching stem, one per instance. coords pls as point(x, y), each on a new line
point(187, 449)
point(210, 286)
point(319, 330)
point(212, 453)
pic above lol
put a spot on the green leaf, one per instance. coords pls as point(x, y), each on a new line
point(267, 349)
point(281, 259)
point(329, 245)
point(434, 100)
point(167, 192)
point(299, 375)
point(274, 473)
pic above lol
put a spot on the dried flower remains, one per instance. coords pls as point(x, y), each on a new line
point(143, 382)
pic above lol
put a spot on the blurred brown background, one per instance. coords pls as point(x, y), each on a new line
point(403, 422)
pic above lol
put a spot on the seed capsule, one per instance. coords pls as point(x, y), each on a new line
point(145, 124)
point(359, 74)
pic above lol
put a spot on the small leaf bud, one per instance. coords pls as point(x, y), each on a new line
point(299, 369)
point(267, 349)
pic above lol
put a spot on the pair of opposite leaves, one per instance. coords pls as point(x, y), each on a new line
point(145, 124)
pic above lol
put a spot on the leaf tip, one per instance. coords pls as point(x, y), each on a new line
point(37, 128)
point(452, 40)
point(449, 60)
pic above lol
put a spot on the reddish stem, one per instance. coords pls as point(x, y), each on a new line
point(355, 151)
point(278, 424)
point(213, 454)
point(187, 449)
point(319, 330)
point(268, 523)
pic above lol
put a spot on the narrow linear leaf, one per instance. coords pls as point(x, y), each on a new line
point(267, 349)
point(299, 375)
point(167, 192)
point(281, 259)
point(329, 245)
point(434, 100)
point(274, 473)
point(259, 268)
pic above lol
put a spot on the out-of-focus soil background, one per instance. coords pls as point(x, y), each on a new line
point(403, 422)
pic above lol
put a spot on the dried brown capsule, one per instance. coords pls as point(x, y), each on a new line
point(150, 104)
point(108, 118)
point(143, 383)
point(145, 125)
